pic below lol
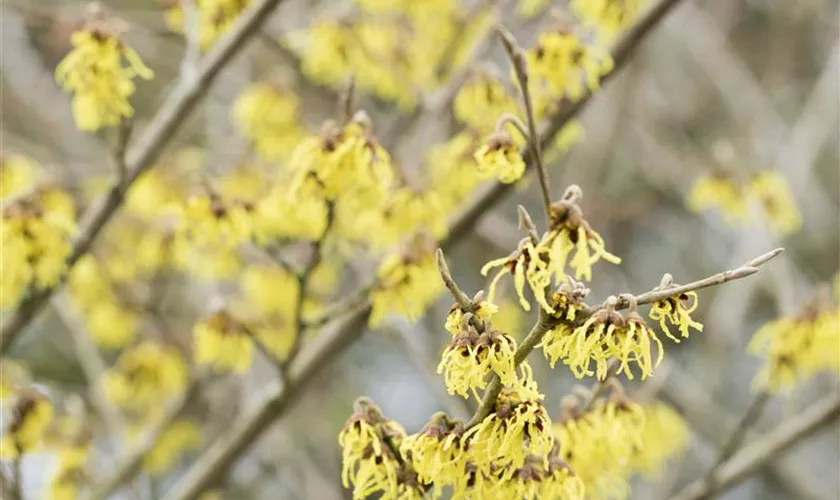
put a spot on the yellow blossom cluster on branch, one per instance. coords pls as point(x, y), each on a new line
point(733, 197)
point(100, 72)
point(798, 346)
point(37, 222)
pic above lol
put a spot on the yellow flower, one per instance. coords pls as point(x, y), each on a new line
point(536, 479)
point(369, 443)
point(799, 346)
point(406, 284)
point(35, 237)
point(664, 434)
point(481, 101)
point(470, 357)
point(606, 334)
point(66, 482)
point(676, 311)
point(326, 58)
point(570, 233)
point(208, 219)
point(530, 8)
point(267, 115)
point(31, 415)
point(569, 66)
point(453, 170)
point(608, 17)
point(772, 191)
point(152, 195)
point(223, 342)
point(530, 263)
point(206, 261)
point(181, 436)
point(100, 71)
point(721, 192)
point(279, 215)
point(13, 377)
point(483, 310)
point(598, 444)
point(135, 251)
point(271, 290)
point(18, 173)
point(518, 427)
point(146, 376)
point(499, 156)
point(215, 17)
point(436, 452)
point(342, 162)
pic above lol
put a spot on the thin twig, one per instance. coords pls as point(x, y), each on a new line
point(520, 67)
point(739, 433)
point(93, 367)
point(118, 156)
point(766, 448)
point(303, 283)
point(133, 459)
point(140, 157)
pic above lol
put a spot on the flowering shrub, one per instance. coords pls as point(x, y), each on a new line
point(265, 252)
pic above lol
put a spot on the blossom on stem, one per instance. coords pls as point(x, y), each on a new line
point(797, 347)
point(499, 157)
point(470, 357)
point(406, 284)
point(24, 431)
point(99, 71)
point(223, 342)
point(370, 445)
point(570, 233)
point(529, 264)
point(675, 310)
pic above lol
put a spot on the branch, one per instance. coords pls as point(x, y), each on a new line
point(133, 459)
point(345, 330)
point(744, 271)
point(149, 145)
point(764, 449)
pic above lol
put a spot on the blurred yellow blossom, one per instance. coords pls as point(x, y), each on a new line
point(99, 71)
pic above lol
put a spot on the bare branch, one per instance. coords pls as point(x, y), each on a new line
point(764, 449)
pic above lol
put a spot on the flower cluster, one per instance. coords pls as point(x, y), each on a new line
point(35, 231)
point(539, 263)
point(415, 50)
point(213, 18)
point(267, 115)
point(223, 342)
point(607, 17)
point(32, 413)
point(732, 197)
point(609, 440)
point(110, 322)
point(675, 311)
point(470, 357)
point(100, 72)
point(407, 283)
point(370, 445)
point(797, 347)
point(145, 377)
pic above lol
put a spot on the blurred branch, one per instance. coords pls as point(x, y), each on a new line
point(94, 368)
point(132, 460)
point(766, 448)
point(139, 158)
point(704, 414)
point(344, 331)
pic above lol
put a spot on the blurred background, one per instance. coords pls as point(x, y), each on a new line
point(748, 85)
